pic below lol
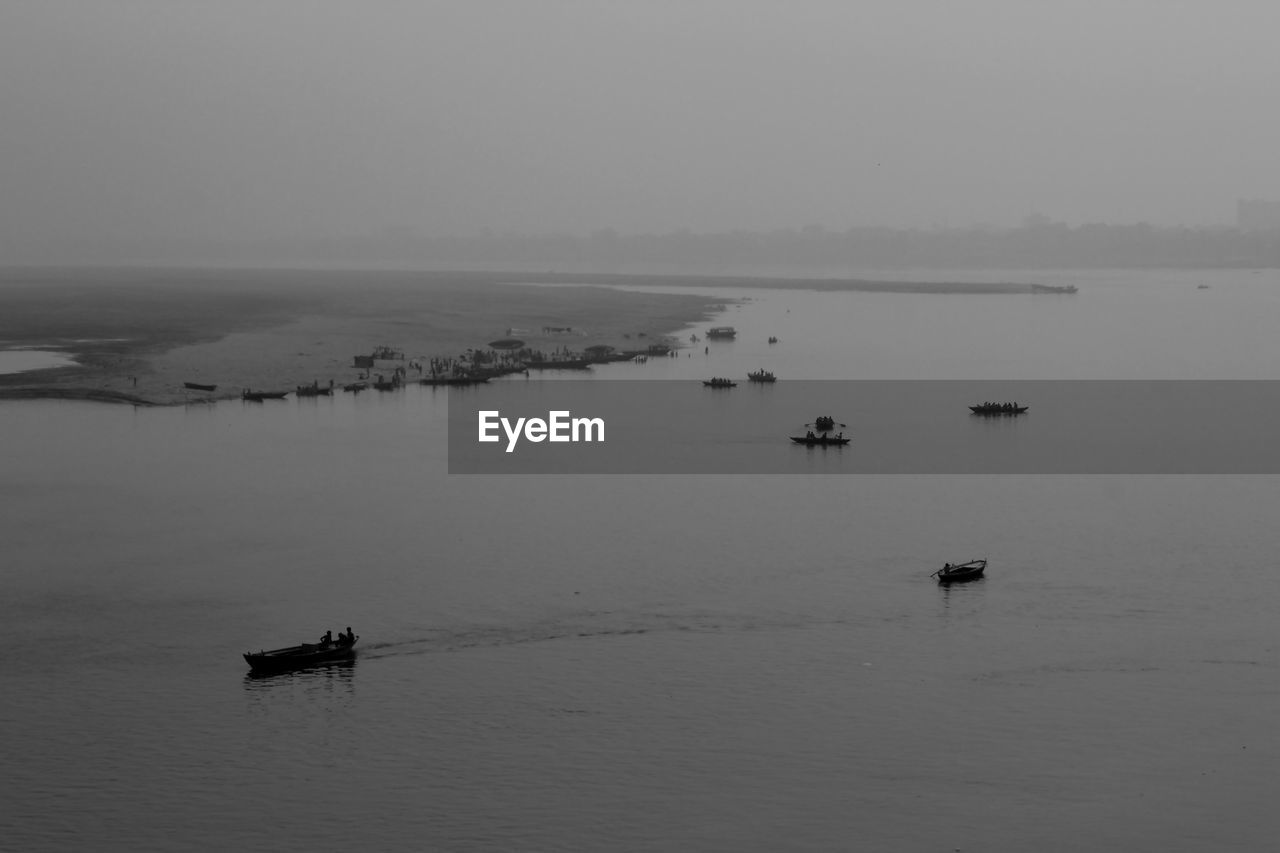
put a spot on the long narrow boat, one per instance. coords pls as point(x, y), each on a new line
point(718, 382)
point(961, 572)
point(820, 440)
point(298, 657)
point(196, 386)
point(259, 396)
point(762, 376)
point(998, 409)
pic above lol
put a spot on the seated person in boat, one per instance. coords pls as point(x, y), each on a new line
point(326, 640)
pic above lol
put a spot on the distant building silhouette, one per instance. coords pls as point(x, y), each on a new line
point(1254, 214)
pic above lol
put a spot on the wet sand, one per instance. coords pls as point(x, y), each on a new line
point(138, 335)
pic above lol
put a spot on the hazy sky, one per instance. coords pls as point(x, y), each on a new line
point(238, 119)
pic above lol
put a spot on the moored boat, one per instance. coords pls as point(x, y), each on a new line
point(196, 386)
point(298, 657)
point(259, 396)
point(956, 573)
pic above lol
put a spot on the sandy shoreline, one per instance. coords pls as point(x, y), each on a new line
point(137, 336)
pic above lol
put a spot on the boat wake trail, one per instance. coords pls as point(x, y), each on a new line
point(599, 626)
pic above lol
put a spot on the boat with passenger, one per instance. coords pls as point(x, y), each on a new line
point(288, 658)
point(722, 332)
point(719, 382)
point(997, 409)
point(959, 572)
point(762, 376)
point(824, 423)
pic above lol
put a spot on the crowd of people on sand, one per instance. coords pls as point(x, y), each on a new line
point(347, 639)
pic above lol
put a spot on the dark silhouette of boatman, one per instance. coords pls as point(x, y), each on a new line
point(327, 638)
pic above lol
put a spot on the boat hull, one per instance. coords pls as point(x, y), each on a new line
point(963, 572)
point(995, 413)
point(821, 441)
point(299, 657)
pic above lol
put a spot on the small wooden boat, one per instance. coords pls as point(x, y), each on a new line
point(820, 440)
point(355, 387)
point(762, 376)
point(298, 657)
point(997, 409)
point(259, 396)
point(961, 572)
point(773, 339)
point(314, 390)
point(719, 382)
point(722, 332)
point(196, 386)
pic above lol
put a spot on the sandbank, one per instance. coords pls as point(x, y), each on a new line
point(138, 335)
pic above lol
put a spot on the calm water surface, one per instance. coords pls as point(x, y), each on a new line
point(650, 662)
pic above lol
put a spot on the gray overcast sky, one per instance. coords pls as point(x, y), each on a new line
point(234, 119)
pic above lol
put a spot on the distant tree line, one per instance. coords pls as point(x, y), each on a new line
point(1038, 243)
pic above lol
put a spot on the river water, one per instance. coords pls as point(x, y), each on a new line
point(651, 662)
